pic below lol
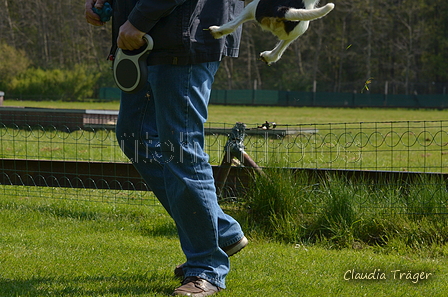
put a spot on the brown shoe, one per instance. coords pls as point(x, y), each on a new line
point(196, 286)
point(230, 251)
point(236, 247)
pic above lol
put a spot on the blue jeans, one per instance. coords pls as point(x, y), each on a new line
point(161, 130)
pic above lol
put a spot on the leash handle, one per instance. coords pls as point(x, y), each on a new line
point(149, 41)
point(130, 67)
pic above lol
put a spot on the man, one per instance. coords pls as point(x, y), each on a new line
point(161, 128)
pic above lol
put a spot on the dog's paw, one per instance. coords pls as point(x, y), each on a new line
point(216, 32)
point(268, 58)
point(264, 60)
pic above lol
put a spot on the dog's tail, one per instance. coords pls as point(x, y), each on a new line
point(294, 14)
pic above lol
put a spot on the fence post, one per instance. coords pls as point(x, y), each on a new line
point(386, 91)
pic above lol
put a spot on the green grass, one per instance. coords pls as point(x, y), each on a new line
point(75, 248)
point(318, 115)
point(416, 145)
point(338, 212)
point(361, 138)
point(51, 144)
point(305, 236)
point(280, 115)
point(107, 105)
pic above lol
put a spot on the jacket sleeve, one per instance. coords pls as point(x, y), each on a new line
point(146, 13)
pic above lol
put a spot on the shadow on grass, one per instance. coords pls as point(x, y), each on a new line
point(142, 222)
point(165, 229)
point(156, 284)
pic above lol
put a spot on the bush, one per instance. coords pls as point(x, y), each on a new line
point(69, 85)
point(12, 63)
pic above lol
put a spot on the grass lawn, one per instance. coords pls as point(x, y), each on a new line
point(72, 248)
point(67, 247)
point(318, 115)
point(280, 115)
point(109, 105)
point(351, 144)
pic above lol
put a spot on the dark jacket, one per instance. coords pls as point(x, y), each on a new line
point(179, 28)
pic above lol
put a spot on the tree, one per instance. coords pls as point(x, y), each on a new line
point(402, 42)
point(13, 63)
point(434, 57)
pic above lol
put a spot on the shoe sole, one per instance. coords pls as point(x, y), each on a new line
point(230, 251)
point(236, 247)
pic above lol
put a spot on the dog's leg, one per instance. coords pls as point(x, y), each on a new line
point(294, 14)
point(246, 15)
point(273, 56)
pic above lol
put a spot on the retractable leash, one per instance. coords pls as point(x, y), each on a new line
point(130, 67)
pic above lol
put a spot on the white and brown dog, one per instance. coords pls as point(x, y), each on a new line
point(286, 19)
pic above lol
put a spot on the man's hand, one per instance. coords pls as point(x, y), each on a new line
point(91, 17)
point(129, 37)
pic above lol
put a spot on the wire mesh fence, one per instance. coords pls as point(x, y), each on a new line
point(392, 146)
point(80, 194)
point(84, 161)
point(420, 146)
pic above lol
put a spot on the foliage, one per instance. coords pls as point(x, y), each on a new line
point(435, 37)
point(12, 63)
point(403, 43)
point(70, 85)
point(339, 213)
point(387, 41)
